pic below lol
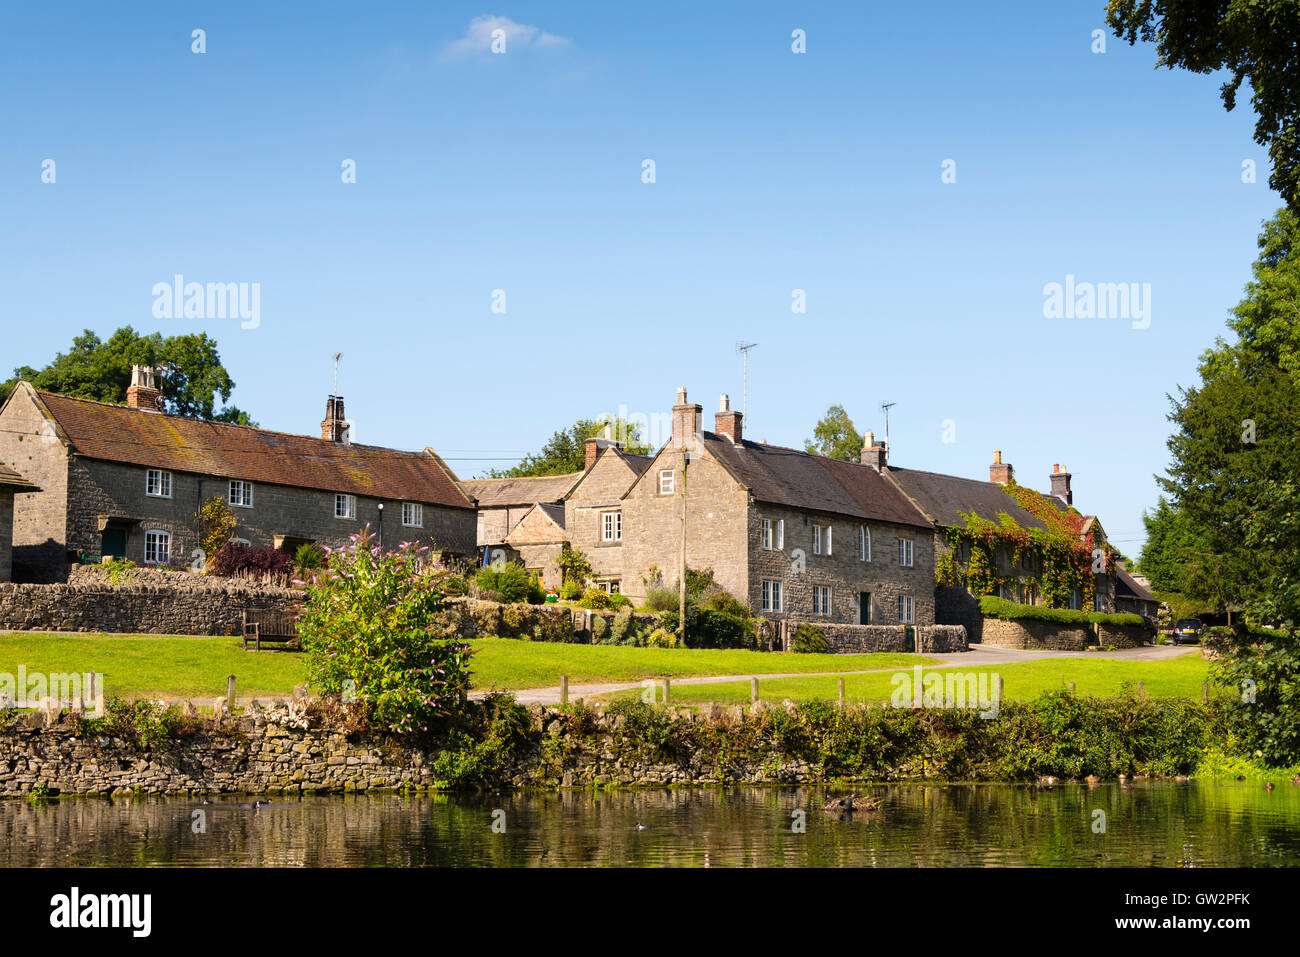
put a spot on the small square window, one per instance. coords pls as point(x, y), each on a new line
point(345, 506)
point(157, 547)
point(665, 481)
point(158, 483)
point(413, 515)
point(611, 527)
point(241, 494)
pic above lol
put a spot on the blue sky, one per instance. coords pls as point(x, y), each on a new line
point(522, 172)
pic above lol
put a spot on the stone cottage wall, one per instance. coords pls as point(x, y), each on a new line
point(868, 639)
point(1122, 636)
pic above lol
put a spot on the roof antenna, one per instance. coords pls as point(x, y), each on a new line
point(743, 348)
point(337, 357)
point(885, 407)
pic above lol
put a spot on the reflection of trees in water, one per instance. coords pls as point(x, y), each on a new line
point(1157, 823)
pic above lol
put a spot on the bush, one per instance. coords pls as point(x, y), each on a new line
point(809, 639)
point(309, 557)
point(993, 607)
point(251, 561)
point(1265, 705)
point(372, 633)
point(661, 639)
point(598, 600)
point(119, 570)
point(658, 598)
point(510, 583)
point(571, 590)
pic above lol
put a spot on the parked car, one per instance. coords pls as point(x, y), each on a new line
point(1187, 630)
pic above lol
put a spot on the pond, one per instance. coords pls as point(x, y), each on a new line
point(1155, 823)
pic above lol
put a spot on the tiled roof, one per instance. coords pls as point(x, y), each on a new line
point(115, 433)
point(14, 482)
point(944, 497)
point(501, 492)
point(781, 476)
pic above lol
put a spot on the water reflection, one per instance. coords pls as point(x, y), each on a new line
point(1161, 824)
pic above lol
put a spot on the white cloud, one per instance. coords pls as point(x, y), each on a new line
point(478, 37)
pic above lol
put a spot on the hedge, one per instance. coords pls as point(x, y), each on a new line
point(993, 607)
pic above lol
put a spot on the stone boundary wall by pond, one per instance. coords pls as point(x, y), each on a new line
point(1123, 636)
point(1032, 633)
point(867, 639)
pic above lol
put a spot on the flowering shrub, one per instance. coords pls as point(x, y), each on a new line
point(373, 636)
point(252, 561)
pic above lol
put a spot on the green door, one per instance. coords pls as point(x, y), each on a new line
point(909, 639)
point(112, 542)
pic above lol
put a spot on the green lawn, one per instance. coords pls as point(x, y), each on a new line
point(510, 665)
point(181, 667)
point(155, 666)
point(1175, 677)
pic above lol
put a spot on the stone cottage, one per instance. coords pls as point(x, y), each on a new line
point(798, 536)
point(531, 520)
point(11, 484)
point(948, 500)
point(128, 481)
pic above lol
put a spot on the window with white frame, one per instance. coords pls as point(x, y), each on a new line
point(611, 526)
point(609, 587)
point(864, 543)
point(157, 547)
point(241, 494)
point(345, 506)
point(821, 600)
point(817, 539)
point(158, 483)
point(774, 533)
point(905, 552)
point(665, 481)
point(771, 595)
point(413, 515)
point(906, 609)
point(1097, 603)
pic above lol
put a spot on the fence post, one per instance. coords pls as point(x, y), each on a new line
point(667, 689)
point(230, 691)
point(753, 690)
point(1142, 691)
point(1205, 692)
point(564, 689)
point(1072, 689)
point(841, 690)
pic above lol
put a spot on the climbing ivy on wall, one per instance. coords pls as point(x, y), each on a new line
point(1056, 560)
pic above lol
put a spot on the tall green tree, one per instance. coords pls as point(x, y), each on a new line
point(1235, 456)
point(835, 437)
point(566, 451)
point(193, 376)
point(1254, 40)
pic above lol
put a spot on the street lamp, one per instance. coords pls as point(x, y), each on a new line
point(381, 526)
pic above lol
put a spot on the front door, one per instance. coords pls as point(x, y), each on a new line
point(112, 542)
point(864, 608)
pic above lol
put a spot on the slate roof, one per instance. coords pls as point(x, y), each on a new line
point(554, 511)
point(502, 492)
point(944, 497)
point(116, 433)
point(795, 479)
point(1126, 586)
point(11, 480)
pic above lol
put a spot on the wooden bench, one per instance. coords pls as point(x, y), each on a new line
point(272, 626)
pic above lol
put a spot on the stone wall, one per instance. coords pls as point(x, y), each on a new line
point(1032, 633)
point(1123, 636)
point(153, 603)
point(867, 639)
point(6, 534)
point(29, 445)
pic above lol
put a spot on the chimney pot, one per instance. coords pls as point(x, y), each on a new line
point(1060, 479)
point(334, 427)
point(143, 392)
point(1000, 472)
point(874, 453)
point(727, 421)
point(686, 420)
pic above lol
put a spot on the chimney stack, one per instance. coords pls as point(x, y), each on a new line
point(874, 453)
point(998, 472)
point(726, 421)
point(334, 428)
point(143, 392)
point(1061, 485)
point(686, 420)
point(592, 446)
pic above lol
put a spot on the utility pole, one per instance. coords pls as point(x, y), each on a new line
point(743, 348)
